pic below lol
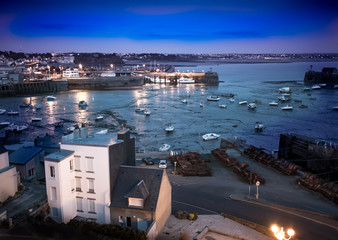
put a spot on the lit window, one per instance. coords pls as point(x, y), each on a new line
point(91, 205)
point(79, 204)
point(53, 194)
point(52, 171)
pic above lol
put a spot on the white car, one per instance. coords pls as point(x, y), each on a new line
point(162, 164)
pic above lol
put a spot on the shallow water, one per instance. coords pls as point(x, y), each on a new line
point(247, 81)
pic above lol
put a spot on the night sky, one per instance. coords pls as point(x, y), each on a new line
point(250, 26)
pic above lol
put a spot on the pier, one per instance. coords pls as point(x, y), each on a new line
point(209, 78)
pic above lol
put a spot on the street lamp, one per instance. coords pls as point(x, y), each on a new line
point(280, 233)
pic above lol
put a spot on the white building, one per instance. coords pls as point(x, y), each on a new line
point(90, 177)
point(70, 73)
point(8, 176)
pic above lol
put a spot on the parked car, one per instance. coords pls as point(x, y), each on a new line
point(162, 164)
point(148, 160)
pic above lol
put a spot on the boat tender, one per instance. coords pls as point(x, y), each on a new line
point(164, 147)
point(210, 136)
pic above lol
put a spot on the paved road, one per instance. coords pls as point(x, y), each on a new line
point(207, 195)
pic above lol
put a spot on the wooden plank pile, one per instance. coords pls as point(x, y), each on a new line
point(281, 165)
point(241, 169)
point(191, 164)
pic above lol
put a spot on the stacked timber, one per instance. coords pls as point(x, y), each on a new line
point(281, 165)
point(191, 164)
point(241, 169)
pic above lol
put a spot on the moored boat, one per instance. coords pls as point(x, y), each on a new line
point(83, 103)
point(164, 147)
point(273, 103)
point(285, 90)
point(51, 98)
point(169, 128)
point(335, 107)
point(243, 102)
point(210, 136)
point(99, 117)
point(259, 127)
point(146, 112)
point(138, 110)
point(184, 101)
point(316, 87)
point(222, 106)
point(36, 119)
point(287, 108)
point(2, 111)
point(232, 100)
point(252, 106)
point(213, 98)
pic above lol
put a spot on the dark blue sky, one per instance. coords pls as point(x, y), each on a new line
point(259, 26)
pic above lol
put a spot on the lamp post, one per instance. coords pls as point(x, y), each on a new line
point(257, 184)
point(280, 233)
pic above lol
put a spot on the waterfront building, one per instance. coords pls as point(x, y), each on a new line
point(70, 73)
point(8, 176)
point(94, 178)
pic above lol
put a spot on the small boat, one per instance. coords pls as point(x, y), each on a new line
point(4, 124)
point(273, 103)
point(169, 128)
point(201, 104)
point(335, 108)
point(186, 80)
point(83, 103)
point(37, 106)
point(243, 102)
point(213, 98)
point(259, 127)
point(138, 110)
point(222, 106)
point(285, 90)
point(287, 108)
point(210, 136)
point(184, 101)
point(13, 113)
point(58, 124)
point(24, 105)
point(51, 98)
point(335, 86)
point(232, 100)
point(147, 112)
point(13, 127)
point(284, 98)
point(306, 89)
point(164, 147)
point(103, 131)
point(316, 87)
point(252, 106)
point(322, 85)
point(2, 111)
point(36, 119)
point(99, 117)
point(21, 128)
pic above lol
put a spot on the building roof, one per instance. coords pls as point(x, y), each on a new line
point(94, 140)
point(59, 155)
point(126, 183)
point(24, 154)
point(139, 191)
point(2, 149)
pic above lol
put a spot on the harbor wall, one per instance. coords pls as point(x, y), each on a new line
point(327, 75)
point(32, 88)
point(105, 83)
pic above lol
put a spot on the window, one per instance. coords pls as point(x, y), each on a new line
point(79, 204)
point(90, 164)
point(77, 163)
point(78, 184)
point(128, 221)
point(91, 205)
point(71, 167)
point(52, 171)
point(31, 172)
point(53, 196)
point(90, 185)
point(55, 212)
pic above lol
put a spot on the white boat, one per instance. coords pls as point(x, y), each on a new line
point(201, 105)
point(273, 103)
point(164, 147)
point(335, 86)
point(146, 112)
point(51, 98)
point(169, 128)
point(315, 87)
point(285, 90)
point(4, 124)
point(184, 80)
point(184, 101)
point(139, 110)
point(13, 127)
point(37, 106)
point(13, 113)
point(36, 119)
point(222, 106)
point(322, 85)
point(259, 127)
point(210, 136)
point(83, 103)
point(213, 98)
point(99, 117)
point(287, 108)
point(252, 106)
point(104, 131)
point(286, 94)
point(2, 111)
point(306, 89)
point(232, 100)
point(284, 98)
point(243, 102)
point(21, 128)
point(335, 108)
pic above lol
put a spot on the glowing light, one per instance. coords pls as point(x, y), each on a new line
point(280, 233)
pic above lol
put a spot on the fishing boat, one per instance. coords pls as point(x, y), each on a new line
point(51, 98)
point(36, 119)
point(213, 98)
point(243, 102)
point(285, 90)
point(83, 103)
point(2, 111)
point(146, 112)
point(222, 106)
point(169, 128)
point(210, 136)
point(287, 108)
point(164, 147)
point(252, 106)
point(273, 103)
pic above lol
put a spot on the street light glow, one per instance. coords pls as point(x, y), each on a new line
point(280, 234)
